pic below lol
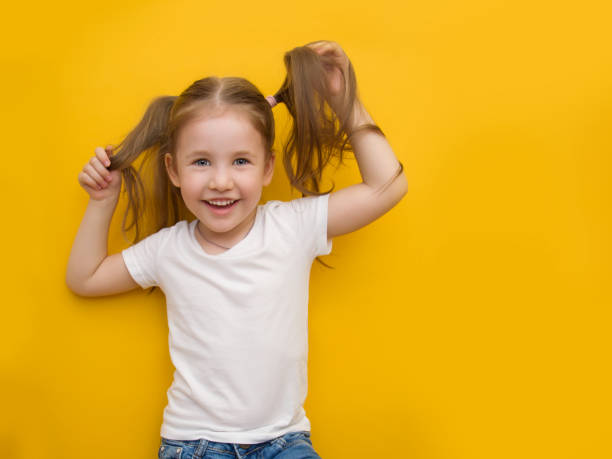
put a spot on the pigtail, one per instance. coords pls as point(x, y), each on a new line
point(148, 138)
point(318, 133)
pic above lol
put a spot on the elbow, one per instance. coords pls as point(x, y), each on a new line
point(76, 287)
point(401, 188)
point(395, 193)
point(404, 185)
point(70, 283)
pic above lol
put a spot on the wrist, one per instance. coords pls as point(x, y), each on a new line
point(106, 204)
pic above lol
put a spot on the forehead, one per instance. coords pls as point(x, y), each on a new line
point(223, 133)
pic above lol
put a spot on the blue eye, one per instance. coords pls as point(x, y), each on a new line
point(243, 159)
point(198, 161)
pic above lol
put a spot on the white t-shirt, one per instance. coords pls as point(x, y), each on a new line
point(238, 322)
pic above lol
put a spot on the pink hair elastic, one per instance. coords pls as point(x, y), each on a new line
point(272, 101)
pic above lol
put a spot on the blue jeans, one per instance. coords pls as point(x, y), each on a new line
point(292, 445)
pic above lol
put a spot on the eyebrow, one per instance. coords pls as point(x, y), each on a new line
point(204, 152)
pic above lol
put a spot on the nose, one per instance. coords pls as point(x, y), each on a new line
point(221, 179)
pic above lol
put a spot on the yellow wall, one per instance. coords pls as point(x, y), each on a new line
point(472, 321)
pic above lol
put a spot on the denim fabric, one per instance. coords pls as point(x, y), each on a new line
point(292, 445)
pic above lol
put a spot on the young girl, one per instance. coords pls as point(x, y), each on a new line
point(236, 276)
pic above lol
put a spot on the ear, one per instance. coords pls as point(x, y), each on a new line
point(170, 169)
point(269, 170)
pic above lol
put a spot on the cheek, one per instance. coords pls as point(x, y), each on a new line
point(252, 186)
point(190, 188)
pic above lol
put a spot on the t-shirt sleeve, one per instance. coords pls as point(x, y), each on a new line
point(311, 212)
point(141, 258)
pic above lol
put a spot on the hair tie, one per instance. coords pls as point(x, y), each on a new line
point(272, 101)
point(275, 99)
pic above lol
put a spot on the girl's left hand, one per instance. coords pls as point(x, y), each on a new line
point(336, 65)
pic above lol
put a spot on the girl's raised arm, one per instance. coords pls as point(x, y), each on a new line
point(90, 271)
point(357, 205)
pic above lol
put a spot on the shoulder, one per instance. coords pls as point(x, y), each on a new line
point(301, 214)
point(306, 219)
point(141, 258)
point(170, 231)
point(297, 205)
point(166, 234)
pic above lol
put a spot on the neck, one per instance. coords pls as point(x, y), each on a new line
point(227, 240)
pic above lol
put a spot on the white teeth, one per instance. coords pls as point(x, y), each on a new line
point(221, 203)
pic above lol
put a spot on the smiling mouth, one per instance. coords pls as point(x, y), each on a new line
point(222, 204)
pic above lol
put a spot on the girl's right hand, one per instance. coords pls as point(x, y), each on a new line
point(100, 183)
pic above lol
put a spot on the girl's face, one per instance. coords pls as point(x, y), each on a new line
point(221, 158)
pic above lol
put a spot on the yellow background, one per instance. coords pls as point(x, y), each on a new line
point(471, 321)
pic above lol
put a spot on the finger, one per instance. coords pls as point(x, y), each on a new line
point(94, 176)
point(324, 43)
point(332, 57)
point(88, 182)
point(328, 46)
point(324, 49)
point(316, 43)
point(109, 150)
point(103, 156)
point(321, 47)
point(89, 170)
point(99, 167)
